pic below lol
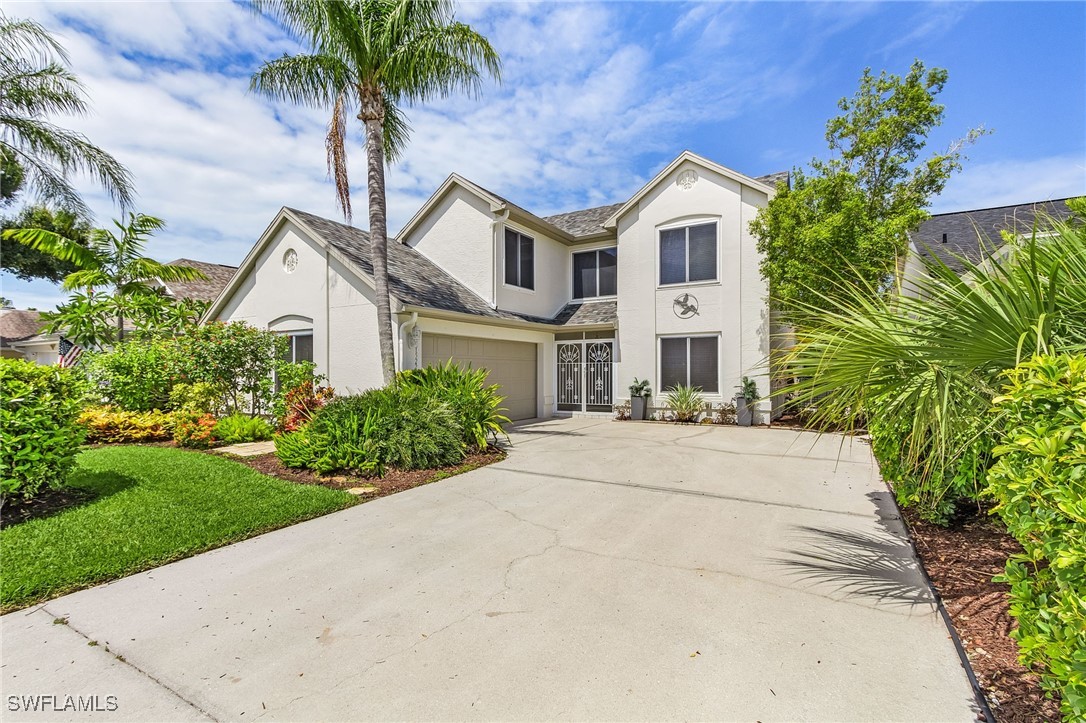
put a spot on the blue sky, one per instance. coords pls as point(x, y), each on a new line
point(596, 99)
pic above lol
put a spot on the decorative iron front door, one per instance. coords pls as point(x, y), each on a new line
point(585, 376)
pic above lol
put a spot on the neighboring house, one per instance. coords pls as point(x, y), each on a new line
point(218, 276)
point(42, 348)
point(563, 310)
point(976, 235)
point(20, 338)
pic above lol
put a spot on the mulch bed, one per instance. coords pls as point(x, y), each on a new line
point(46, 503)
point(395, 480)
point(961, 560)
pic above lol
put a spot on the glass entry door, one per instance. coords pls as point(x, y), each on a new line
point(586, 376)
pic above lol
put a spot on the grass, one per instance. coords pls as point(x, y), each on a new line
point(148, 506)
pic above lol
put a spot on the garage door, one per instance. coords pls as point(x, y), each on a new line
point(512, 364)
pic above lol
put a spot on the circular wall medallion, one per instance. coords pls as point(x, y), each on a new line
point(685, 306)
point(687, 179)
point(290, 261)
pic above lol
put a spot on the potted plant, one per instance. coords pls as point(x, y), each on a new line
point(744, 402)
point(640, 390)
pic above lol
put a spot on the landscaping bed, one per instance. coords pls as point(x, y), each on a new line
point(395, 480)
point(961, 561)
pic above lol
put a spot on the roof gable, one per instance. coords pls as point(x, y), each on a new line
point(687, 157)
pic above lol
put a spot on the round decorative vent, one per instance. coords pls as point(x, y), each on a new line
point(290, 261)
point(687, 179)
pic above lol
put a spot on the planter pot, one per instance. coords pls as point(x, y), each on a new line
point(637, 408)
point(744, 415)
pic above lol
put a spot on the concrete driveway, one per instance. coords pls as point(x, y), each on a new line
point(606, 570)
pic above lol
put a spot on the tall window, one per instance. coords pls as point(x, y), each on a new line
point(688, 254)
point(690, 360)
point(519, 259)
point(595, 273)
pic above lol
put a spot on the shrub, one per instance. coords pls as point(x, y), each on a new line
point(109, 425)
point(465, 391)
point(235, 357)
point(196, 431)
point(242, 428)
point(937, 487)
point(202, 397)
point(685, 402)
point(135, 375)
point(288, 377)
point(295, 449)
point(1039, 484)
point(39, 436)
point(397, 426)
point(301, 403)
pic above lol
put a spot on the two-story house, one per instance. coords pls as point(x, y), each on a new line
point(563, 310)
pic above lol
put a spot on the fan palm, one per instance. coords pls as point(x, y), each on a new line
point(110, 260)
point(35, 83)
point(372, 57)
point(929, 366)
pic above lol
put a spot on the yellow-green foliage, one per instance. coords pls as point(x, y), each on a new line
point(1039, 484)
point(109, 424)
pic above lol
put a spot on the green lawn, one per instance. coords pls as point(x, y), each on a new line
point(151, 505)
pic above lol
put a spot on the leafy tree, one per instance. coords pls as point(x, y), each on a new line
point(35, 84)
point(108, 260)
point(846, 223)
point(28, 263)
point(373, 55)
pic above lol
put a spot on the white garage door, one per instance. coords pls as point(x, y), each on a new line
point(512, 364)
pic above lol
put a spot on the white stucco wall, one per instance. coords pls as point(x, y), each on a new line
point(458, 236)
point(319, 295)
point(733, 306)
point(552, 274)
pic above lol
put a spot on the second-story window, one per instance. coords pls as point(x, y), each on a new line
point(688, 254)
point(519, 259)
point(595, 273)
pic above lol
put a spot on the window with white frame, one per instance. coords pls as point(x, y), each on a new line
point(688, 254)
point(519, 259)
point(300, 348)
point(595, 273)
point(690, 361)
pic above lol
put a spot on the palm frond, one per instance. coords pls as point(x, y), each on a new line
point(55, 245)
point(335, 144)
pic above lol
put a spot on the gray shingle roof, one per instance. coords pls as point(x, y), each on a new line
point(975, 235)
point(583, 223)
point(417, 281)
point(772, 179)
point(18, 325)
point(218, 276)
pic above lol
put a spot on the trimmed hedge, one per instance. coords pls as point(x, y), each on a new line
point(39, 436)
point(1039, 484)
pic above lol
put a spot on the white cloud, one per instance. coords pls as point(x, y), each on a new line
point(1007, 182)
point(581, 108)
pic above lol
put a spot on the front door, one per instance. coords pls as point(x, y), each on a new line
point(586, 376)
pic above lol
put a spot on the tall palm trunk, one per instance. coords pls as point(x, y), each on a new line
point(373, 115)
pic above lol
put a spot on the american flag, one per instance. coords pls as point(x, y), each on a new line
point(69, 353)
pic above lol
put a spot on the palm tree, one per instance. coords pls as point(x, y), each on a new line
point(35, 83)
point(373, 56)
point(110, 260)
point(922, 372)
